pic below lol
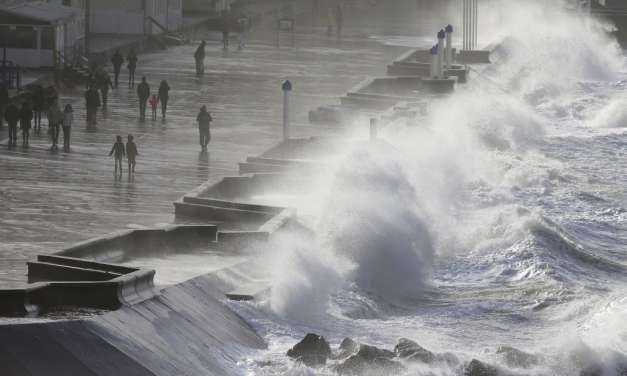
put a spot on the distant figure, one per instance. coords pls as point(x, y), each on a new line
point(225, 31)
point(12, 116)
point(131, 154)
point(4, 102)
point(164, 96)
point(26, 117)
point(39, 103)
point(118, 154)
point(339, 20)
point(330, 22)
point(143, 93)
point(154, 103)
point(244, 25)
point(68, 119)
point(104, 82)
point(199, 56)
point(92, 102)
point(204, 119)
point(55, 118)
point(132, 66)
point(117, 60)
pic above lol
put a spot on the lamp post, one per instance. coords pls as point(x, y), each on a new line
point(287, 88)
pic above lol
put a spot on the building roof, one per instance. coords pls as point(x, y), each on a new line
point(42, 12)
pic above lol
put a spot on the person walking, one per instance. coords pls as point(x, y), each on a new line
point(204, 120)
point(131, 154)
point(55, 118)
point(164, 96)
point(105, 84)
point(26, 118)
point(154, 103)
point(12, 116)
point(225, 31)
point(92, 102)
point(4, 102)
point(143, 93)
point(117, 60)
point(199, 57)
point(132, 66)
point(39, 103)
point(118, 154)
point(330, 22)
point(68, 119)
point(339, 20)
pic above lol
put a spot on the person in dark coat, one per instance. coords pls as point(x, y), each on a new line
point(39, 104)
point(226, 30)
point(26, 117)
point(199, 57)
point(131, 154)
point(164, 96)
point(92, 102)
point(105, 83)
point(143, 93)
point(204, 120)
point(117, 60)
point(132, 66)
point(12, 116)
point(55, 118)
point(4, 102)
point(118, 154)
point(339, 20)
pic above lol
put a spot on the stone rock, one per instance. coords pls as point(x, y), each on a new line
point(516, 358)
point(411, 351)
point(347, 348)
point(370, 353)
point(478, 368)
point(313, 351)
point(370, 360)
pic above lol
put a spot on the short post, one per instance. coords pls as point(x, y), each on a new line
point(449, 46)
point(441, 37)
point(434, 61)
point(373, 129)
point(286, 87)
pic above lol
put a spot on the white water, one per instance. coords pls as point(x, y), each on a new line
point(498, 219)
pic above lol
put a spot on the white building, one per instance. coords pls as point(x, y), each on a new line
point(133, 16)
point(39, 34)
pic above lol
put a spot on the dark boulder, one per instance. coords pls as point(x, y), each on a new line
point(516, 358)
point(370, 353)
point(370, 360)
point(411, 351)
point(313, 351)
point(478, 368)
point(347, 348)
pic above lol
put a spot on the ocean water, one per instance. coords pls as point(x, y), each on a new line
point(499, 218)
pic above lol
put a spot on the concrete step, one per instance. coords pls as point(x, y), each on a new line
point(249, 291)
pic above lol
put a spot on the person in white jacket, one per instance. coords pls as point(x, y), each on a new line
point(68, 118)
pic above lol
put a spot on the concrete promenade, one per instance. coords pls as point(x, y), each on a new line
point(49, 200)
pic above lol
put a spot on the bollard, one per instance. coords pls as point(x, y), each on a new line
point(286, 87)
point(449, 46)
point(434, 61)
point(373, 129)
point(441, 37)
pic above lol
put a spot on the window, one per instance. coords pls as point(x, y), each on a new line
point(21, 37)
point(47, 38)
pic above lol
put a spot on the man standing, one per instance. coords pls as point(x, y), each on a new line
point(12, 116)
point(92, 102)
point(4, 101)
point(204, 120)
point(199, 56)
point(26, 117)
point(143, 93)
point(132, 66)
point(164, 96)
point(105, 83)
point(117, 60)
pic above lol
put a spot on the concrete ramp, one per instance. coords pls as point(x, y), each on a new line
point(184, 331)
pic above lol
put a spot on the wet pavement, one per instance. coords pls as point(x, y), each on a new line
point(49, 200)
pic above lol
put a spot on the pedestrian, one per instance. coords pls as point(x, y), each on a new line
point(68, 119)
point(55, 118)
point(39, 103)
point(143, 93)
point(339, 20)
point(330, 22)
point(12, 116)
point(225, 31)
point(104, 84)
point(92, 102)
point(132, 66)
point(244, 27)
point(118, 154)
point(199, 57)
point(154, 103)
point(4, 102)
point(26, 118)
point(131, 153)
point(204, 120)
point(164, 96)
point(117, 60)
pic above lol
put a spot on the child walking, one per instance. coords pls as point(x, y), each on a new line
point(131, 153)
point(154, 103)
point(118, 154)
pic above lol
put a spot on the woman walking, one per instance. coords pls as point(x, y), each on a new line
point(164, 96)
point(68, 118)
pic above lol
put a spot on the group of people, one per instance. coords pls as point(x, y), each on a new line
point(145, 98)
point(119, 151)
